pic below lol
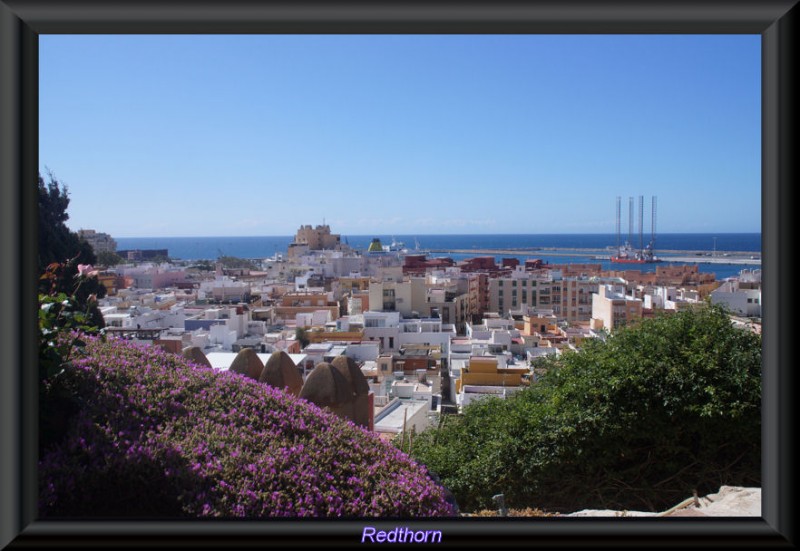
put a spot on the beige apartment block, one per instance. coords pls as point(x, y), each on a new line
point(391, 296)
point(612, 308)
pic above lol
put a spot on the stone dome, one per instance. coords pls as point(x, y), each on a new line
point(281, 372)
point(247, 363)
point(326, 387)
point(359, 387)
point(195, 354)
point(347, 367)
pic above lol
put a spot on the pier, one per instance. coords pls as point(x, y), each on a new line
point(689, 257)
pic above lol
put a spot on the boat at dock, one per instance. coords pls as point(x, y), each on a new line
point(629, 255)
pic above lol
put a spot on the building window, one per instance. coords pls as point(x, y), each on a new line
point(391, 342)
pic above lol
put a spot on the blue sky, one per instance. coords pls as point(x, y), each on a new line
point(406, 134)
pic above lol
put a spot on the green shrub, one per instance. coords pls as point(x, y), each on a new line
point(637, 422)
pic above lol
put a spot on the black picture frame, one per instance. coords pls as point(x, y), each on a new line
point(21, 21)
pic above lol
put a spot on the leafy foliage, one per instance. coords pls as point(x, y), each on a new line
point(203, 265)
point(235, 262)
point(302, 337)
point(63, 319)
point(656, 411)
point(57, 244)
point(158, 436)
point(107, 258)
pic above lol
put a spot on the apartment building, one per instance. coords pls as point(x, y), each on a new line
point(484, 376)
point(612, 308)
point(669, 298)
point(391, 296)
point(740, 297)
point(150, 276)
point(394, 332)
point(291, 304)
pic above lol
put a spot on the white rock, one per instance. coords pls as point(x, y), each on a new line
point(730, 501)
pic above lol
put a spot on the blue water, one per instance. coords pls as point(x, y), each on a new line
point(196, 248)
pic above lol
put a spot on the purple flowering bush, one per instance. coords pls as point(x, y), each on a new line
point(158, 436)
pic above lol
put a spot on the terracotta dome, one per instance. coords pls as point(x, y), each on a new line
point(281, 372)
point(194, 354)
point(326, 387)
point(358, 386)
point(347, 367)
point(247, 363)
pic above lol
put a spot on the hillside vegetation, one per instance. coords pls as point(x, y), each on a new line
point(152, 435)
point(637, 422)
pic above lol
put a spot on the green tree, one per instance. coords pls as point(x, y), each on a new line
point(107, 258)
point(203, 265)
point(234, 262)
point(61, 246)
point(301, 335)
point(56, 242)
point(639, 421)
point(67, 307)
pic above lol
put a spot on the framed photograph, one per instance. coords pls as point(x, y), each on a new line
point(177, 43)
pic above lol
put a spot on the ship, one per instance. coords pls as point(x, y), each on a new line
point(627, 254)
point(395, 247)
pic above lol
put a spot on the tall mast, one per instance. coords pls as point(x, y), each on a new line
point(653, 224)
point(641, 221)
point(630, 219)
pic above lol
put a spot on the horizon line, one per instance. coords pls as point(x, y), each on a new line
point(376, 234)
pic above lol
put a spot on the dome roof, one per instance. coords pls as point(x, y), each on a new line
point(281, 372)
point(194, 354)
point(355, 378)
point(326, 386)
point(247, 363)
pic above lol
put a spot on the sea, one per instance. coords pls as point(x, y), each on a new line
point(552, 248)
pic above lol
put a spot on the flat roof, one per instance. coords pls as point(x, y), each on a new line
point(391, 417)
point(223, 360)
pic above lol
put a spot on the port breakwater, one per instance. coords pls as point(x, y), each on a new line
point(687, 256)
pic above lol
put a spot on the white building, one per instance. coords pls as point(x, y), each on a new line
point(224, 289)
point(403, 413)
point(743, 298)
point(670, 298)
point(470, 393)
